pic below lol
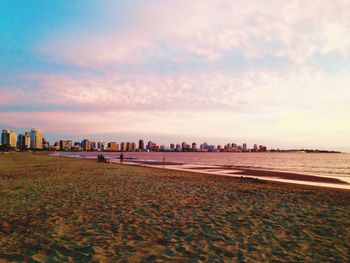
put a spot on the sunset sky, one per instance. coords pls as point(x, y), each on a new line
point(268, 72)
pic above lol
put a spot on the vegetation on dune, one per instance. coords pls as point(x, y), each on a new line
point(60, 209)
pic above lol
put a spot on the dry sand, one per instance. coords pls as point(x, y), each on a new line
point(61, 209)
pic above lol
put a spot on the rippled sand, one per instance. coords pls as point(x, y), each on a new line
point(60, 209)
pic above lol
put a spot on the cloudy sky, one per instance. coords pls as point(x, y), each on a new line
point(271, 72)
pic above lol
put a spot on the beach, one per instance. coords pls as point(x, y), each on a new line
point(65, 209)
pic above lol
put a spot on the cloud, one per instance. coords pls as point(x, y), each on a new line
point(249, 91)
point(205, 30)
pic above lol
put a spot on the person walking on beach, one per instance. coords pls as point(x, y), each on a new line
point(163, 161)
point(121, 157)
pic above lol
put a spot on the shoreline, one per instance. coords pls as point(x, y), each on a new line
point(240, 173)
point(258, 175)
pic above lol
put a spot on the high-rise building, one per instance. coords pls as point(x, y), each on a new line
point(234, 147)
point(93, 146)
point(77, 146)
point(26, 142)
point(113, 146)
point(152, 146)
point(172, 147)
point(36, 139)
point(101, 146)
point(123, 147)
point(46, 144)
point(85, 144)
point(262, 148)
point(66, 145)
point(128, 146)
point(8, 138)
point(133, 146)
point(211, 148)
point(194, 146)
point(20, 141)
point(185, 147)
point(244, 147)
point(204, 147)
point(23, 141)
point(141, 145)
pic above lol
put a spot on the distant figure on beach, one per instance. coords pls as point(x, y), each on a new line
point(121, 157)
point(101, 159)
point(163, 162)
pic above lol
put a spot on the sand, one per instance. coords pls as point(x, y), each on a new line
point(61, 209)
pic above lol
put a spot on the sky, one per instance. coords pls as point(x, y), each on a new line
point(269, 72)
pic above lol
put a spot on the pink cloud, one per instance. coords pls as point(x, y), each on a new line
point(207, 29)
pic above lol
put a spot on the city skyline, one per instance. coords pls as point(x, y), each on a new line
point(200, 70)
point(35, 140)
point(166, 140)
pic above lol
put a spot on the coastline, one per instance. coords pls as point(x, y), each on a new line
point(247, 173)
point(296, 179)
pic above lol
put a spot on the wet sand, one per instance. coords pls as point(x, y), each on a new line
point(275, 174)
point(239, 171)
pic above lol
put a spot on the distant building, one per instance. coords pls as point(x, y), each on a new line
point(66, 145)
point(85, 145)
point(36, 139)
point(141, 145)
point(203, 147)
point(211, 148)
point(178, 147)
point(93, 146)
point(172, 147)
point(56, 146)
point(123, 147)
point(46, 144)
point(128, 146)
point(26, 140)
point(113, 146)
point(77, 147)
point(262, 148)
point(152, 146)
point(185, 147)
point(162, 148)
point(23, 141)
point(101, 146)
point(194, 146)
point(234, 147)
point(19, 141)
point(244, 147)
point(255, 148)
point(8, 138)
point(133, 146)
